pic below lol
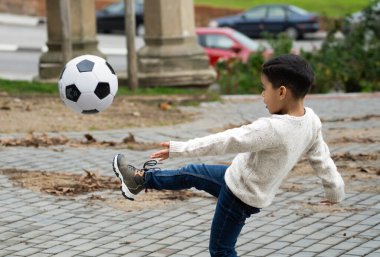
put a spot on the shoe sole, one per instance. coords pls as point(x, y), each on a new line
point(124, 189)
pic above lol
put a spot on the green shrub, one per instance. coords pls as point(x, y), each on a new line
point(349, 64)
point(352, 63)
point(237, 77)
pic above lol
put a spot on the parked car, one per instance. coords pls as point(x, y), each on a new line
point(272, 18)
point(111, 18)
point(226, 43)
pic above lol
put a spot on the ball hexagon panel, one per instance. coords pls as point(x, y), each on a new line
point(85, 65)
point(70, 74)
point(89, 101)
point(86, 82)
point(72, 105)
point(72, 92)
point(106, 102)
point(102, 90)
point(104, 74)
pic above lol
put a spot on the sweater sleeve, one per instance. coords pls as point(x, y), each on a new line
point(254, 137)
point(323, 165)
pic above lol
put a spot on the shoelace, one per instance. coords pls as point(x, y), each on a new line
point(150, 163)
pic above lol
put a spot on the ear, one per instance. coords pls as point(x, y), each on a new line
point(283, 91)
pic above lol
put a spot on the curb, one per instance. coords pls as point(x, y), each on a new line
point(14, 19)
point(38, 49)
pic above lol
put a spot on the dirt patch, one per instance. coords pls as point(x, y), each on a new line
point(311, 208)
point(44, 140)
point(358, 118)
point(91, 185)
point(353, 167)
point(342, 136)
point(40, 113)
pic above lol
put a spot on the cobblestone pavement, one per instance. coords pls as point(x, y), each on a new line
point(35, 224)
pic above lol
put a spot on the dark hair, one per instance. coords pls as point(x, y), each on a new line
point(291, 71)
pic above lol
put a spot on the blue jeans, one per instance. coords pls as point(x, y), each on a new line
point(230, 213)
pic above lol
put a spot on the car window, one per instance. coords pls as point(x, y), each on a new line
point(218, 41)
point(115, 8)
point(202, 40)
point(276, 12)
point(256, 13)
point(297, 10)
point(246, 41)
point(118, 7)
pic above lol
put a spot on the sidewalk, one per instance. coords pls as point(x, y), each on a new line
point(36, 224)
point(108, 44)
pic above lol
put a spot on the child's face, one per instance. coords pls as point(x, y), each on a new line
point(272, 96)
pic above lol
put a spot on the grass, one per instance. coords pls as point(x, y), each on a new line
point(12, 87)
point(331, 8)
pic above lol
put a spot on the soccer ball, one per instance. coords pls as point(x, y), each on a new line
point(87, 84)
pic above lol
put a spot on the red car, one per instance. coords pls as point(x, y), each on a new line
point(226, 43)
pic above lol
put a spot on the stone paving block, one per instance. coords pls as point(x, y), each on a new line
point(188, 233)
point(4, 253)
point(143, 242)
point(27, 251)
point(345, 245)
point(181, 245)
point(264, 240)
point(40, 255)
point(67, 253)
point(136, 254)
point(248, 247)
point(84, 247)
point(317, 247)
point(360, 251)
point(98, 251)
point(56, 249)
point(289, 250)
point(304, 243)
point(262, 252)
point(171, 240)
point(192, 250)
point(17, 247)
point(202, 254)
point(276, 245)
point(304, 254)
point(124, 250)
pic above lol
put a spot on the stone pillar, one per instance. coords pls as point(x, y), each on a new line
point(171, 55)
point(83, 32)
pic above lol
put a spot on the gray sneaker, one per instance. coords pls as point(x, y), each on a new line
point(131, 178)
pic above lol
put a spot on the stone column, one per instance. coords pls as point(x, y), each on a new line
point(171, 55)
point(83, 32)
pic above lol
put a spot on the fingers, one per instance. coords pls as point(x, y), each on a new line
point(160, 154)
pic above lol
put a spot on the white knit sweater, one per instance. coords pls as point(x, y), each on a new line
point(267, 150)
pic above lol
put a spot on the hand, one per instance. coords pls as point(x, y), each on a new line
point(162, 154)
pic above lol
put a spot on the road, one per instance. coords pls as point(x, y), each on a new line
point(21, 46)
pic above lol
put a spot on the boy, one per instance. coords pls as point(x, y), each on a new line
point(266, 149)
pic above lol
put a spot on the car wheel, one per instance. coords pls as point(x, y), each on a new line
point(292, 33)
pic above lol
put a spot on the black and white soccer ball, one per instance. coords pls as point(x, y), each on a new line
point(87, 84)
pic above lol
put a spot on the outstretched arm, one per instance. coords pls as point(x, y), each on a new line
point(324, 166)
